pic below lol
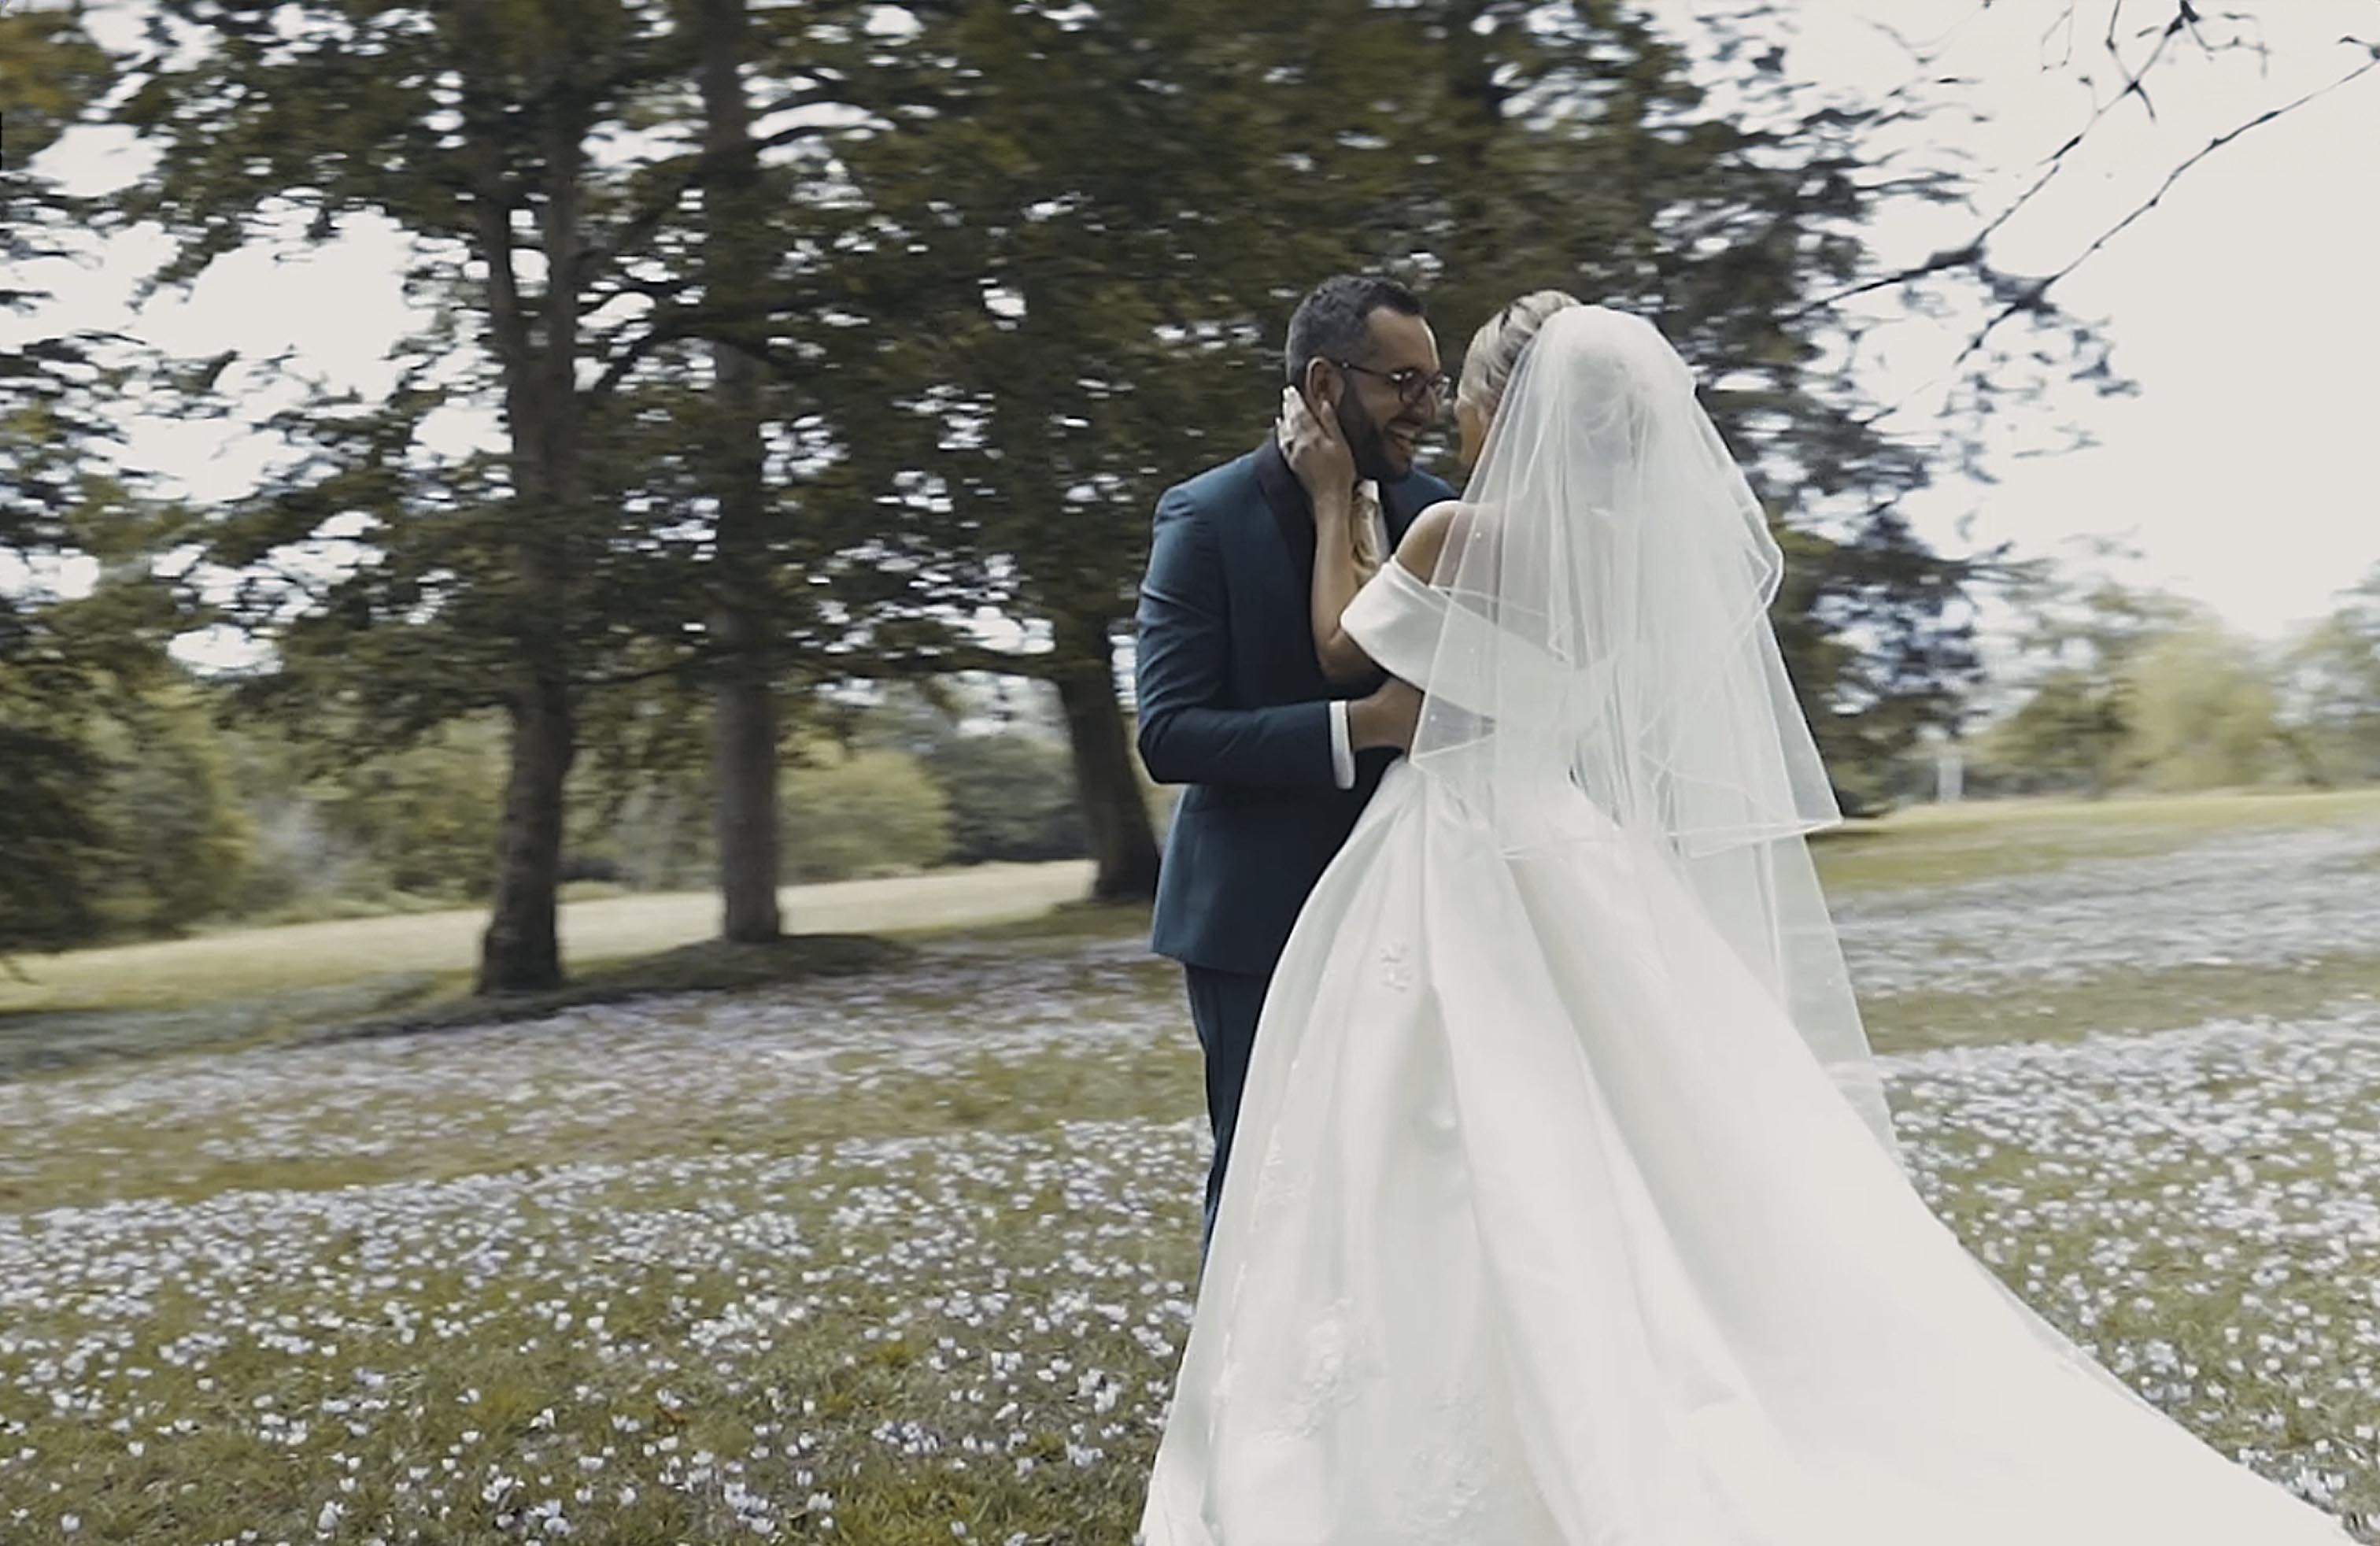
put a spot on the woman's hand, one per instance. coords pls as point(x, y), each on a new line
point(1318, 453)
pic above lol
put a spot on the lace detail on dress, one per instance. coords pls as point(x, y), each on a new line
point(1463, 1486)
point(1338, 1358)
point(1277, 1183)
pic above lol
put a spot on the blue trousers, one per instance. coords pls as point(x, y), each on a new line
point(1224, 1005)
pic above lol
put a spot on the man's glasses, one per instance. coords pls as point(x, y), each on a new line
point(1412, 383)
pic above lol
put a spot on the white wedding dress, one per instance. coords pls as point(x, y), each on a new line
point(1547, 1226)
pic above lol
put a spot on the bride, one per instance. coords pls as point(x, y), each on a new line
point(1564, 1208)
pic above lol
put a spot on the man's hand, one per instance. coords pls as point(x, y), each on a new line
point(1386, 718)
point(1318, 453)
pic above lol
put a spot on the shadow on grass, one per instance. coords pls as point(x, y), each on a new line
point(710, 966)
point(49, 1041)
point(38, 1042)
point(1067, 923)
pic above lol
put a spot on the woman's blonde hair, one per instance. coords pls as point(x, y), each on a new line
point(1496, 349)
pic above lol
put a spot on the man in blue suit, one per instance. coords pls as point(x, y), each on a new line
point(1233, 701)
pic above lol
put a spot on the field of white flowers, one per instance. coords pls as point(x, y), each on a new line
point(906, 1259)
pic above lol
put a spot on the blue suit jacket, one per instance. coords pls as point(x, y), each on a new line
point(1232, 702)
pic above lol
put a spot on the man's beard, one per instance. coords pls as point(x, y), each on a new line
point(1366, 443)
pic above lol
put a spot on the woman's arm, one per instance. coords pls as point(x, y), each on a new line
point(1318, 453)
point(1337, 576)
point(1421, 552)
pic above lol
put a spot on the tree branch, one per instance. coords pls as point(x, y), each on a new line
point(1970, 253)
point(719, 324)
point(2031, 294)
point(944, 659)
point(2034, 292)
point(636, 229)
point(691, 665)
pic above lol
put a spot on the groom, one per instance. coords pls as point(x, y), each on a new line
point(1233, 701)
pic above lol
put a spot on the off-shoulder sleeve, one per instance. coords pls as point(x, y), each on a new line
point(1416, 631)
point(1396, 618)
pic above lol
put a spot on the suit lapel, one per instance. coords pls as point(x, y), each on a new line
point(1292, 516)
point(1292, 513)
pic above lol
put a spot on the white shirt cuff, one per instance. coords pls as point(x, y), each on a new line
point(1342, 745)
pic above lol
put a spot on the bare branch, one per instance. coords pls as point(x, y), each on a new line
point(2034, 292)
point(1972, 254)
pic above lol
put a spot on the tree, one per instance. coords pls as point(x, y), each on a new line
point(63, 657)
point(1010, 799)
point(1114, 187)
point(2116, 682)
point(181, 844)
point(2143, 47)
point(54, 835)
point(735, 270)
point(2330, 690)
point(1689, 179)
point(1185, 173)
point(2203, 711)
point(2071, 732)
point(1010, 791)
point(563, 566)
point(472, 131)
point(424, 817)
point(863, 812)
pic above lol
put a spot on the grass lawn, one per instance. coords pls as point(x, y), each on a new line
point(1940, 844)
point(246, 963)
point(904, 1257)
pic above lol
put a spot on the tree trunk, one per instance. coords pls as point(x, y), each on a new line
point(744, 728)
point(1115, 814)
point(521, 951)
point(2301, 750)
point(743, 707)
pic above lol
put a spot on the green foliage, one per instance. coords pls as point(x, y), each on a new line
point(2132, 687)
point(52, 834)
point(1012, 270)
point(863, 813)
point(425, 817)
point(539, 157)
point(179, 842)
point(473, 128)
point(1877, 633)
point(395, 830)
point(2073, 725)
point(1010, 791)
point(2202, 711)
point(1012, 799)
point(2330, 692)
point(61, 656)
point(2071, 732)
point(659, 836)
point(1188, 171)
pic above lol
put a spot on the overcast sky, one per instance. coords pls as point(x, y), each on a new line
point(2244, 305)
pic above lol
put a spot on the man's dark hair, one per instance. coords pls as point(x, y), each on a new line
point(1335, 320)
